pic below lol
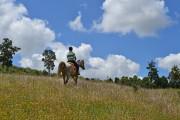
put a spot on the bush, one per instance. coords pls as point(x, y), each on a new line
point(110, 80)
point(117, 80)
point(174, 84)
point(147, 83)
point(162, 82)
point(19, 70)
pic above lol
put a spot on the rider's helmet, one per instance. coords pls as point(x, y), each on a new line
point(70, 48)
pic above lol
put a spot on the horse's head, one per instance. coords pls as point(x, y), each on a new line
point(81, 64)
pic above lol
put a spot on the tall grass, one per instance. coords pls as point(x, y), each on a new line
point(46, 98)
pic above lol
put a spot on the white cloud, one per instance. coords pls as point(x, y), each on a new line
point(96, 67)
point(113, 66)
point(77, 25)
point(35, 62)
point(84, 51)
point(33, 36)
point(169, 61)
point(25, 62)
point(144, 17)
point(9, 12)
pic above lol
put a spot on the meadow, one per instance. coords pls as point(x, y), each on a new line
point(26, 97)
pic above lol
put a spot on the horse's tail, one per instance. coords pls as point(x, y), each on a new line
point(61, 68)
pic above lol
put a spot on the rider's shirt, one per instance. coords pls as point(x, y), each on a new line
point(71, 56)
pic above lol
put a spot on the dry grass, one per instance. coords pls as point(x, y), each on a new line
point(44, 98)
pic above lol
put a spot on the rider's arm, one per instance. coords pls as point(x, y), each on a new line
point(75, 57)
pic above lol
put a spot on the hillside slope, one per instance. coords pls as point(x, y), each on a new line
point(45, 98)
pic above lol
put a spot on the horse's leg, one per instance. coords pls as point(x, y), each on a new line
point(67, 78)
point(64, 79)
point(75, 78)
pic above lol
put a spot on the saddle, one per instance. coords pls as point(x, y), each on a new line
point(71, 64)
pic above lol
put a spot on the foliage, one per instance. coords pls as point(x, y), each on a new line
point(116, 80)
point(7, 50)
point(151, 81)
point(19, 70)
point(147, 83)
point(174, 77)
point(153, 72)
point(109, 80)
point(48, 58)
point(162, 82)
point(130, 81)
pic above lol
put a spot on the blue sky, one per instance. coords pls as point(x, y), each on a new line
point(58, 14)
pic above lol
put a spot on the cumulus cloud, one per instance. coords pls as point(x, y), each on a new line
point(169, 61)
point(9, 13)
point(26, 62)
point(96, 67)
point(113, 66)
point(35, 62)
point(34, 35)
point(31, 35)
point(143, 17)
point(77, 25)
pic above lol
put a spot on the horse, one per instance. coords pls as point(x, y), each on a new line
point(67, 70)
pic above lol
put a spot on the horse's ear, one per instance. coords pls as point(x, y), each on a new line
point(82, 61)
point(78, 61)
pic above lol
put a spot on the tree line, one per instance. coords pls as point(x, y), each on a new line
point(8, 50)
point(152, 80)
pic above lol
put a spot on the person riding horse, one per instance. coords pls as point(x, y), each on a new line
point(70, 69)
point(71, 57)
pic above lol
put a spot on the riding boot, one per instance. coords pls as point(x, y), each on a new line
point(78, 70)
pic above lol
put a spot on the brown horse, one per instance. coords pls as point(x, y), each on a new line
point(67, 70)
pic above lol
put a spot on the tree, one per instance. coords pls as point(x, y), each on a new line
point(7, 50)
point(48, 58)
point(162, 82)
point(124, 80)
point(117, 80)
point(153, 72)
point(146, 83)
point(174, 77)
point(109, 80)
point(135, 80)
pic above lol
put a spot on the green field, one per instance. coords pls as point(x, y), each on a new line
point(45, 98)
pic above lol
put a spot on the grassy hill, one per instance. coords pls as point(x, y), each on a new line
point(46, 98)
point(19, 70)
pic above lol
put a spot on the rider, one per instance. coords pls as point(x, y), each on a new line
point(71, 57)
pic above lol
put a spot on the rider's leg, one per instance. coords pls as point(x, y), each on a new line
point(77, 67)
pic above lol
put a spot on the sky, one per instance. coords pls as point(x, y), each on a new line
point(114, 37)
